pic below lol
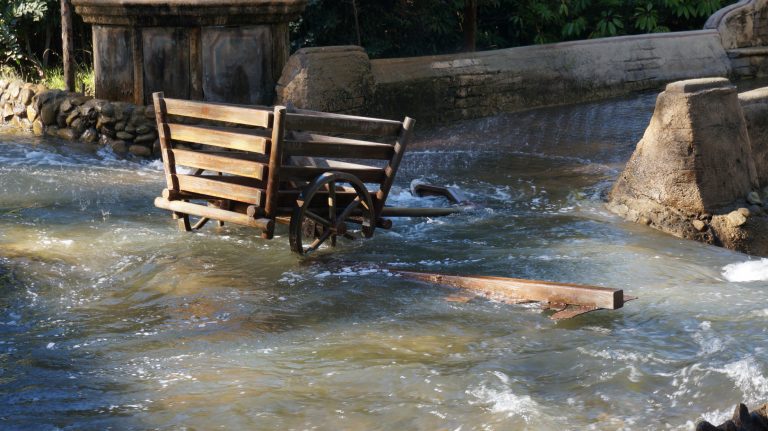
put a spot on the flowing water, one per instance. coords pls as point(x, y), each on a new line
point(110, 318)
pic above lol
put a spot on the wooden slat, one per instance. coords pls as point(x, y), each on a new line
point(169, 168)
point(239, 155)
point(219, 112)
point(341, 124)
point(235, 139)
point(394, 164)
point(275, 161)
point(515, 289)
point(308, 144)
point(303, 173)
point(219, 187)
point(240, 181)
point(302, 168)
point(214, 213)
point(235, 166)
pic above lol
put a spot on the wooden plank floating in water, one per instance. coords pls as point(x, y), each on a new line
point(569, 299)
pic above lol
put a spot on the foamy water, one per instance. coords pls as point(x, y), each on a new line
point(111, 318)
point(752, 270)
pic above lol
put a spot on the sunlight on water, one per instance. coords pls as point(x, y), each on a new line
point(111, 317)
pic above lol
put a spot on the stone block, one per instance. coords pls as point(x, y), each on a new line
point(692, 157)
point(140, 150)
point(26, 96)
point(333, 79)
point(67, 134)
point(38, 128)
point(754, 104)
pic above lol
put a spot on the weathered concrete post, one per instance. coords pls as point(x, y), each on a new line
point(695, 173)
point(214, 50)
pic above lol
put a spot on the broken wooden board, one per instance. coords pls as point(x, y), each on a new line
point(568, 300)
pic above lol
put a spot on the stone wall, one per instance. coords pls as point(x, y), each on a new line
point(754, 105)
point(743, 29)
point(124, 127)
point(741, 24)
point(448, 88)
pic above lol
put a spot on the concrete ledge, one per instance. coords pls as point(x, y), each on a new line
point(741, 25)
point(701, 84)
point(438, 89)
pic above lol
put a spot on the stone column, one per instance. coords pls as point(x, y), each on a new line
point(214, 50)
point(693, 173)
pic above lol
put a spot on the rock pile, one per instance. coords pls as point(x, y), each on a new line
point(742, 420)
point(124, 127)
point(695, 173)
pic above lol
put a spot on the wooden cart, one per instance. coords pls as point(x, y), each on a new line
point(255, 166)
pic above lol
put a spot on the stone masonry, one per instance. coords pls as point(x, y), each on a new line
point(123, 127)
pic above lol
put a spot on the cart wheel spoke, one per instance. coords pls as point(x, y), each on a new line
point(354, 205)
point(200, 223)
point(351, 207)
point(320, 219)
point(318, 241)
point(332, 202)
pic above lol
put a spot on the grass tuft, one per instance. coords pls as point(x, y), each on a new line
point(84, 79)
point(53, 78)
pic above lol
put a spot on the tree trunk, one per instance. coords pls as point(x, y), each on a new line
point(470, 25)
point(47, 51)
point(67, 45)
point(357, 23)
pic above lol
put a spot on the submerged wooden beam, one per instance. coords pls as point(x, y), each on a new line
point(418, 212)
point(569, 299)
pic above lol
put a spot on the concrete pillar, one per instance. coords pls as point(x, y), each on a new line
point(214, 50)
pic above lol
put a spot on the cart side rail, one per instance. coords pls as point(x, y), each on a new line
point(225, 151)
point(369, 148)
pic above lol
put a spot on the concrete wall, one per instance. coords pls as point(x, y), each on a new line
point(754, 105)
point(741, 24)
point(440, 89)
point(452, 87)
point(743, 29)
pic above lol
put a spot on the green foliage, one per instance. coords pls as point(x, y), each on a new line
point(85, 81)
point(391, 28)
point(15, 17)
point(30, 37)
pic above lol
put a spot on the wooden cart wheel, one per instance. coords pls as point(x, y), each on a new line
point(316, 219)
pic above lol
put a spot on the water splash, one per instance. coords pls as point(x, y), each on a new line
point(751, 270)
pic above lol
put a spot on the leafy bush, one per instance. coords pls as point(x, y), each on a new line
point(393, 28)
point(30, 37)
point(15, 19)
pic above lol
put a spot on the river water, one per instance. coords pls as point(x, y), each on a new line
point(110, 318)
